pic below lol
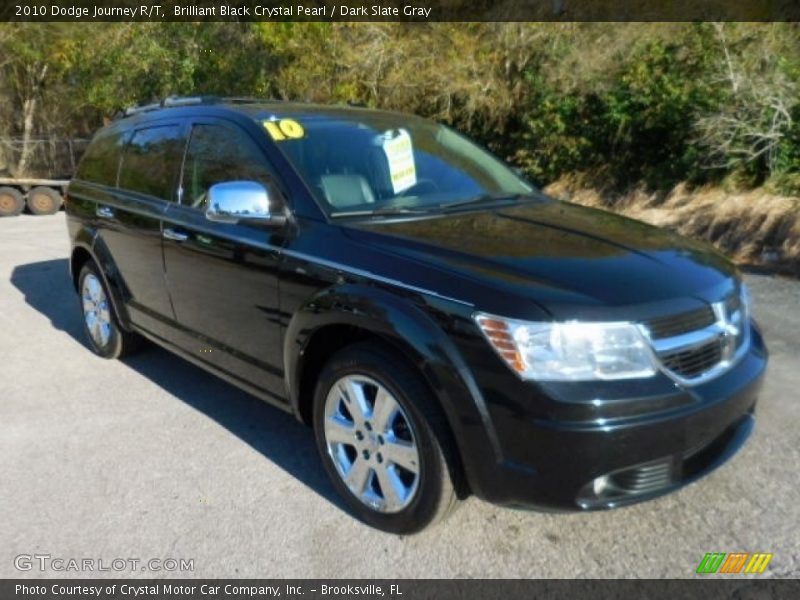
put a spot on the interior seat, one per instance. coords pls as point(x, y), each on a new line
point(342, 191)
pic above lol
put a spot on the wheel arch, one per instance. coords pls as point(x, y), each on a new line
point(354, 313)
point(80, 256)
point(83, 252)
point(323, 343)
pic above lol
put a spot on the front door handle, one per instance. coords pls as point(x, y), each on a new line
point(171, 234)
point(105, 212)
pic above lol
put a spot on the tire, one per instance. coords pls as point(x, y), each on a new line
point(11, 202)
point(106, 338)
point(44, 200)
point(362, 446)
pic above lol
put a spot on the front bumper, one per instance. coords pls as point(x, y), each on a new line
point(602, 445)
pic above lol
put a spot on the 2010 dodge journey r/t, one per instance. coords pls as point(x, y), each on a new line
point(444, 327)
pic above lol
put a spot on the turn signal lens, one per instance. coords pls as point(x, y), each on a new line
point(499, 336)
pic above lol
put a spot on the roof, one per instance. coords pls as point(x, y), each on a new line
point(256, 107)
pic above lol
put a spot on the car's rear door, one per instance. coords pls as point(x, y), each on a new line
point(223, 278)
point(129, 220)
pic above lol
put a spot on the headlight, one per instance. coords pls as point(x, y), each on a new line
point(569, 351)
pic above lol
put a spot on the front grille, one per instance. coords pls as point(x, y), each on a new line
point(694, 361)
point(672, 325)
point(697, 342)
point(644, 478)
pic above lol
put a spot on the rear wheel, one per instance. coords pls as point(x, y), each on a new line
point(44, 201)
point(383, 439)
point(106, 337)
point(11, 202)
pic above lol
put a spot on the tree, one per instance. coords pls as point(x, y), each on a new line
point(757, 68)
point(33, 59)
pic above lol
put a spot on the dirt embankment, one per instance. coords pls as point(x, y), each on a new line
point(753, 228)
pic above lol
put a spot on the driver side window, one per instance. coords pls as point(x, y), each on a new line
point(216, 154)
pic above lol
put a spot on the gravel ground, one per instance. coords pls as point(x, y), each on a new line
point(154, 458)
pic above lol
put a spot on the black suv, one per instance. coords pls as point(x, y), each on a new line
point(444, 327)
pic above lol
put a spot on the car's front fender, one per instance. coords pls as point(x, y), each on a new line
point(403, 323)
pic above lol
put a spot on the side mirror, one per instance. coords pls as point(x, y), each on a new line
point(234, 201)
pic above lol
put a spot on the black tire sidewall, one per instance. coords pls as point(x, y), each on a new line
point(114, 347)
point(433, 469)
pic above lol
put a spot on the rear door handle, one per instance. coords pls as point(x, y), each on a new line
point(105, 212)
point(171, 234)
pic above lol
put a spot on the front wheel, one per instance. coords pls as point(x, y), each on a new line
point(383, 439)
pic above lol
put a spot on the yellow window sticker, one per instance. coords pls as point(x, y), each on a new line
point(400, 154)
point(285, 129)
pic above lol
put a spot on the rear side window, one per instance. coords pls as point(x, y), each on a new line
point(217, 154)
point(151, 161)
point(100, 162)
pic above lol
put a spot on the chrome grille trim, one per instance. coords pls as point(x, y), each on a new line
point(695, 361)
point(686, 322)
point(688, 341)
point(694, 357)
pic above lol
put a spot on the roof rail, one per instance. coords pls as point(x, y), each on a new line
point(185, 101)
point(137, 109)
point(166, 102)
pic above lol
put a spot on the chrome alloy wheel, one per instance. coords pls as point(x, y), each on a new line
point(96, 311)
point(372, 444)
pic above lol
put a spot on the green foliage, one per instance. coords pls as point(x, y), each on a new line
point(621, 104)
point(785, 177)
point(650, 114)
point(636, 127)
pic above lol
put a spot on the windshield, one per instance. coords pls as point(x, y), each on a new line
point(370, 164)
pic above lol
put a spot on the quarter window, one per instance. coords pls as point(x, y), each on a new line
point(151, 161)
point(101, 161)
point(217, 154)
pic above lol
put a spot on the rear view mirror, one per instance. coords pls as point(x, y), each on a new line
point(234, 201)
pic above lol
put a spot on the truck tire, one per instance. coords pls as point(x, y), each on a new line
point(43, 200)
point(11, 202)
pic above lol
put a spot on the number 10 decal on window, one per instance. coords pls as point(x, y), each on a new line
point(285, 129)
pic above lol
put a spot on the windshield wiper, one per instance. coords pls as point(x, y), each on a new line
point(380, 212)
point(421, 210)
point(480, 199)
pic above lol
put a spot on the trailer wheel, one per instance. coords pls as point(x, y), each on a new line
point(11, 202)
point(44, 200)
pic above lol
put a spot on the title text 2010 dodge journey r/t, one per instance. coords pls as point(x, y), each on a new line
point(444, 327)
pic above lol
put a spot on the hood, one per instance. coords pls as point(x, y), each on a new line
point(556, 254)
